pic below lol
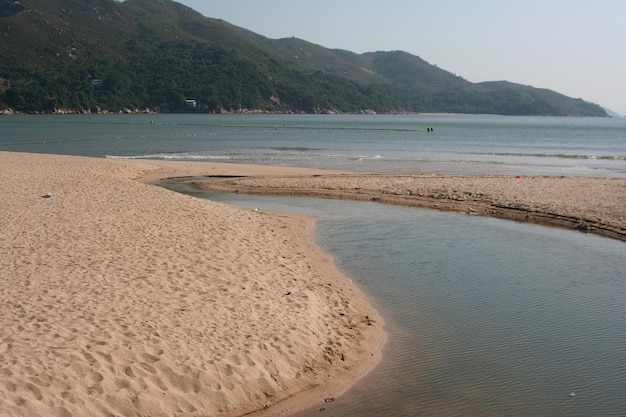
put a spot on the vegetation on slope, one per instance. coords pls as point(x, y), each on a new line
point(90, 55)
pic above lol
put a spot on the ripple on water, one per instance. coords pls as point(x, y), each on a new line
point(486, 317)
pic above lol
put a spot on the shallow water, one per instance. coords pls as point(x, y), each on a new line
point(486, 317)
point(489, 317)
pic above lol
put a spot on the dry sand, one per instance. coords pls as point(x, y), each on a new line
point(119, 298)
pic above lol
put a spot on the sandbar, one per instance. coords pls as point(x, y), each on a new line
point(588, 204)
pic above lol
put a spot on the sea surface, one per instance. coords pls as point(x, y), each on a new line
point(485, 317)
point(498, 145)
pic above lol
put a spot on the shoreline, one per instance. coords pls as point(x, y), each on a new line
point(121, 297)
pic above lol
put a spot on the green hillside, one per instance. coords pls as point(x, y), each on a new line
point(91, 55)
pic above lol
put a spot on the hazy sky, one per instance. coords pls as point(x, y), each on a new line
point(575, 47)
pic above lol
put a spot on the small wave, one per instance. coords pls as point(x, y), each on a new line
point(561, 156)
point(171, 156)
point(364, 157)
point(60, 141)
point(294, 148)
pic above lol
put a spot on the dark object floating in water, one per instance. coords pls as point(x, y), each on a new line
point(583, 227)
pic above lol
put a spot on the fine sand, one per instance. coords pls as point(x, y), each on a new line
point(120, 298)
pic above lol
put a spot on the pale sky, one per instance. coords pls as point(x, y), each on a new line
point(575, 47)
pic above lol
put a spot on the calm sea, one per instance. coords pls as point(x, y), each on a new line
point(381, 143)
point(485, 317)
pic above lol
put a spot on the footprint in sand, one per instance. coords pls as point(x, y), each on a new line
point(149, 358)
point(226, 370)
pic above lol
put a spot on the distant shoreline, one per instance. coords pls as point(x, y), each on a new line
point(12, 112)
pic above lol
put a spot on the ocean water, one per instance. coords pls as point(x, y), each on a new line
point(460, 144)
point(485, 317)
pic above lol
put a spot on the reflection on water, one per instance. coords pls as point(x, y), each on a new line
point(485, 317)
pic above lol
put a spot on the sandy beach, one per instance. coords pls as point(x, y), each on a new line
point(122, 298)
point(119, 297)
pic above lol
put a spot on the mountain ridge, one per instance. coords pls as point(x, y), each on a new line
point(94, 55)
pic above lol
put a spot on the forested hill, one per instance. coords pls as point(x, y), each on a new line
point(92, 55)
